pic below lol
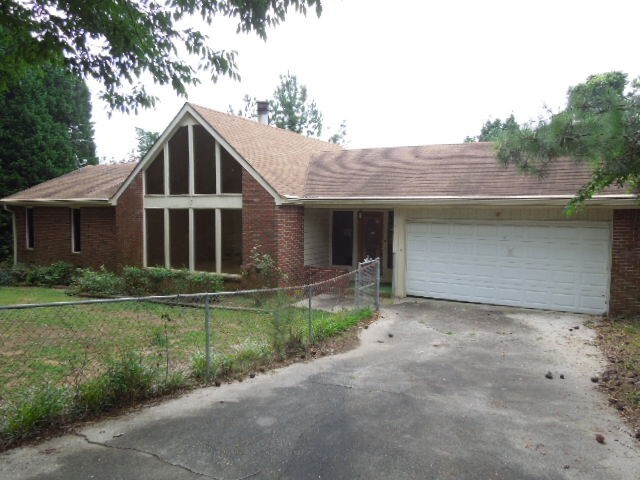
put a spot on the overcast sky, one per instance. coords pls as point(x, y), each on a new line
point(403, 72)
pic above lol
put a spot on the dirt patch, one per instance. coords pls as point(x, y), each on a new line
point(620, 341)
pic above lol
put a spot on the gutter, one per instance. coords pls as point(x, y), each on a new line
point(45, 202)
point(14, 232)
point(605, 200)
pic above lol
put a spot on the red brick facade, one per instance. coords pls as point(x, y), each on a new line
point(276, 229)
point(52, 236)
point(625, 263)
point(129, 232)
point(109, 236)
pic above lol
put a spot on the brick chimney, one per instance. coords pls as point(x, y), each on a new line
point(263, 112)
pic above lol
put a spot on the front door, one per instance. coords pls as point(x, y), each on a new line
point(370, 235)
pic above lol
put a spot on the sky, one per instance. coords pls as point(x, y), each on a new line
point(408, 72)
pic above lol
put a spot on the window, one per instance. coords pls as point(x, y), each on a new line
point(204, 161)
point(179, 162)
point(204, 226)
point(231, 240)
point(390, 240)
point(76, 244)
point(179, 238)
point(29, 228)
point(231, 172)
point(154, 176)
point(155, 237)
point(342, 238)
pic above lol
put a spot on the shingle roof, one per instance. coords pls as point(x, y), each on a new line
point(462, 170)
point(281, 157)
point(95, 183)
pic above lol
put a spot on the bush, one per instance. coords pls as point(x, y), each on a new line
point(163, 281)
point(99, 283)
point(59, 273)
point(261, 271)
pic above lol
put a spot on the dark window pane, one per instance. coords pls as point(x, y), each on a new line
point(179, 162)
point(155, 237)
point(179, 238)
point(29, 226)
point(154, 176)
point(390, 241)
point(204, 224)
point(342, 238)
point(76, 244)
point(231, 241)
point(204, 161)
point(231, 172)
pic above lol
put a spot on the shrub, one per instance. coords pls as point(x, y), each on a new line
point(98, 283)
point(163, 281)
point(261, 271)
point(59, 273)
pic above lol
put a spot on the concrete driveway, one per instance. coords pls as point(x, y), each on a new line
point(458, 392)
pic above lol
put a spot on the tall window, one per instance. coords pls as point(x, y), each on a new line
point(29, 228)
point(342, 238)
point(76, 244)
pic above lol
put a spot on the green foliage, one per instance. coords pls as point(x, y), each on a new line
point(59, 273)
point(146, 139)
point(261, 271)
point(45, 131)
point(334, 324)
point(491, 130)
point(137, 281)
point(119, 41)
point(97, 282)
point(35, 409)
point(292, 109)
point(599, 125)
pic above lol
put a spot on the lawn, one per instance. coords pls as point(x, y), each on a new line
point(20, 295)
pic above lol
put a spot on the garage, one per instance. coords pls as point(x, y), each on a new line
point(549, 265)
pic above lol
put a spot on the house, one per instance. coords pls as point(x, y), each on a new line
point(447, 221)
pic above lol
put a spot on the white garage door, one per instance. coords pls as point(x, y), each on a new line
point(557, 266)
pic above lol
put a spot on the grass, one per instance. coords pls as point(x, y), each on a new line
point(20, 295)
point(61, 363)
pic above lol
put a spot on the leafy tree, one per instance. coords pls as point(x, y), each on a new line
point(291, 109)
point(491, 130)
point(600, 125)
point(146, 140)
point(119, 41)
point(45, 131)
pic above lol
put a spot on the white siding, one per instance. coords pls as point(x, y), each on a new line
point(316, 236)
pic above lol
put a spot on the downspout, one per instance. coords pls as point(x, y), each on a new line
point(14, 232)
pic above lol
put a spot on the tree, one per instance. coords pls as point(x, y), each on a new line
point(599, 125)
point(491, 130)
point(119, 41)
point(45, 131)
point(291, 109)
point(146, 140)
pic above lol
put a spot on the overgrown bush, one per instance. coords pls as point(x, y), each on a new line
point(136, 281)
point(59, 273)
point(97, 282)
point(261, 271)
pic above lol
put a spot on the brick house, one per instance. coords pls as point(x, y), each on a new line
point(447, 221)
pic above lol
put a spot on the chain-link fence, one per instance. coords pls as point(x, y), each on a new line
point(75, 358)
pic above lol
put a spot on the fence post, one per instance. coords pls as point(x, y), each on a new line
point(377, 284)
point(358, 287)
point(207, 326)
point(310, 316)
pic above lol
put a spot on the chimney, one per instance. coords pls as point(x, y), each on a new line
point(263, 112)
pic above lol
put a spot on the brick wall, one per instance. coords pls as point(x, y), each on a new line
point(52, 235)
point(625, 263)
point(290, 235)
point(129, 232)
point(258, 219)
point(278, 230)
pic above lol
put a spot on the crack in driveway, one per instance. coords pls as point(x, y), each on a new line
point(160, 458)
